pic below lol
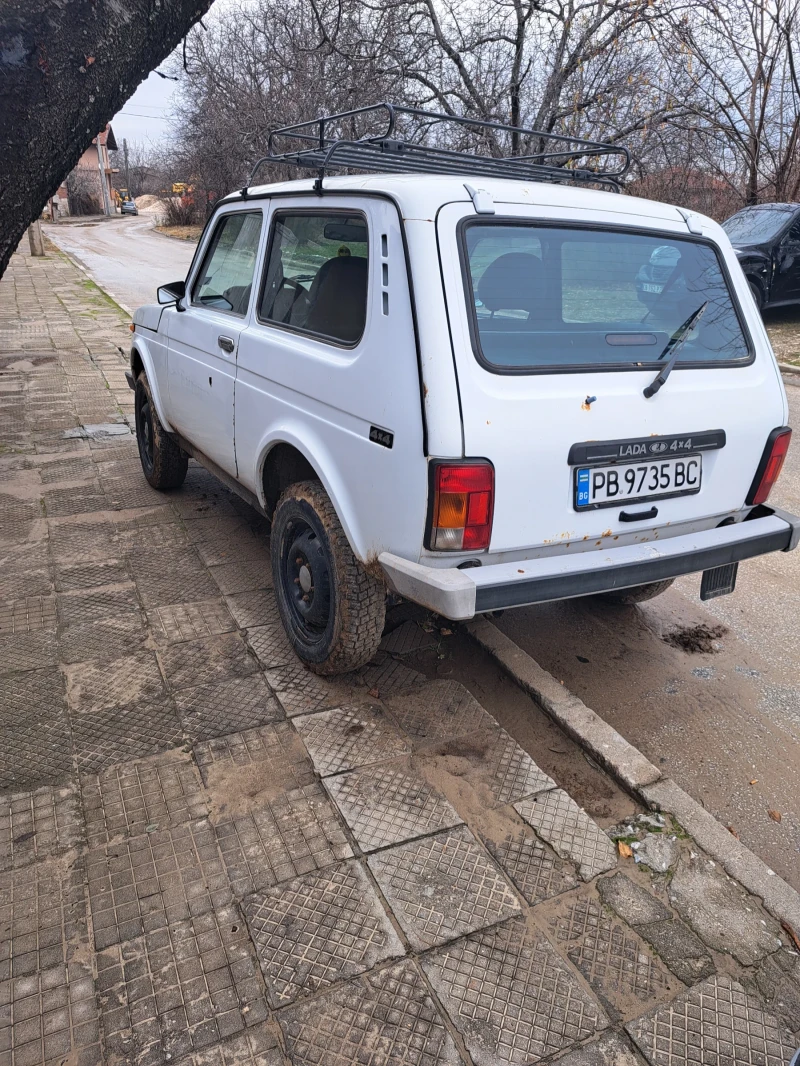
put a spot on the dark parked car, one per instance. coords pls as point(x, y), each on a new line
point(766, 239)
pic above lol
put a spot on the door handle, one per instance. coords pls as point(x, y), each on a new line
point(226, 343)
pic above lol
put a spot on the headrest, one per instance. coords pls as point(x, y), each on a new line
point(511, 283)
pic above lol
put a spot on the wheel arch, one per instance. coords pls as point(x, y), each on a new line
point(287, 457)
point(142, 360)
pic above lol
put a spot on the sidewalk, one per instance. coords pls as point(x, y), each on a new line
point(210, 856)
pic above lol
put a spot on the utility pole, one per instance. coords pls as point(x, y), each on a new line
point(127, 175)
point(103, 178)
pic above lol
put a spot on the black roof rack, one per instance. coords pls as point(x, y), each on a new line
point(321, 147)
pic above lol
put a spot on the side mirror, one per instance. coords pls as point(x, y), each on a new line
point(168, 294)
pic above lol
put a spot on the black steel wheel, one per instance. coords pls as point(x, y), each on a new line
point(331, 608)
point(164, 464)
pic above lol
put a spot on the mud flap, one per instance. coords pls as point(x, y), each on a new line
point(718, 582)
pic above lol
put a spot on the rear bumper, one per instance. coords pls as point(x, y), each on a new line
point(461, 594)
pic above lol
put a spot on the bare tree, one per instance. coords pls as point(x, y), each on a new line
point(740, 62)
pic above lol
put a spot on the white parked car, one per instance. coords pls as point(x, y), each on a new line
point(471, 384)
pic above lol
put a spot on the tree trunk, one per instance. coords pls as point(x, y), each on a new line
point(66, 67)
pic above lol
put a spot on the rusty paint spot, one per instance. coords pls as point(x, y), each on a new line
point(424, 389)
point(520, 571)
point(606, 533)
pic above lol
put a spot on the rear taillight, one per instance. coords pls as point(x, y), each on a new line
point(770, 466)
point(463, 504)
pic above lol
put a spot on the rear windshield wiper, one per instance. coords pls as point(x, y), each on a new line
point(672, 349)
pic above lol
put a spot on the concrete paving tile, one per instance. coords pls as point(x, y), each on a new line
point(35, 746)
point(271, 645)
point(81, 608)
point(258, 1046)
point(270, 756)
point(675, 943)
point(408, 638)
point(76, 468)
point(82, 576)
point(124, 800)
point(205, 661)
point(105, 640)
point(318, 929)
point(612, 1049)
point(142, 884)
point(135, 541)
point(716, 1022)
point(383, 1019)
point(230, 706)
point(442, 887)
point(722, 914)
point(48, 1010)
point(27, 615)
point(223, 540)
point(387, 675)
point(61, 502)
point(243, 574)
point(173, 584)
point(106, 738)
point(256, 608)
point(291, 834)
point(301, 692)
point(124, 682)
point(178, 623)
point(389, 804)
point(80, 541)
point(28, 651)
point(22, 584)
point(180, 989)
point(438, 710)
point(39, 825)
point(612, 958)
point(510, 996)
point(348, 737)
point(570, 831)
point(538, 873)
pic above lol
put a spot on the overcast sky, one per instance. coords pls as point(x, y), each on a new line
point(144, 117)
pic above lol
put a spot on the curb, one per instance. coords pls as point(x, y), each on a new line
point(636, 773)
point(790, 369)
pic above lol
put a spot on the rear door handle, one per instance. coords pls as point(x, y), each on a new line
point(226, 343)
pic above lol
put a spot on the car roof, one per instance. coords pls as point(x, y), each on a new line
point(421, 195)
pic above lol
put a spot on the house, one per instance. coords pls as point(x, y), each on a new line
point(88, 188)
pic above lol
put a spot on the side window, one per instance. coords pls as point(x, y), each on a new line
point(316, 275)
point(226, 276)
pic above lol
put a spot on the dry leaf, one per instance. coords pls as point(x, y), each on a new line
point(754, 781)
point(375, 693)
point(733, 832)
point(625, 850)
point(776, 816)
point(788, 929)
point(446, 632)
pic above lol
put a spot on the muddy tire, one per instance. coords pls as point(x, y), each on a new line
point(163, 463)
point(637, 594)
point(331, 608)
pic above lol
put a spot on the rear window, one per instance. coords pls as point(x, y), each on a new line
point(561, 297)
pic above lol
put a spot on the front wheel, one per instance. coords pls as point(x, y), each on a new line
point(637, 594)
point(164, 464)
point(332, 609)
point(758, 295)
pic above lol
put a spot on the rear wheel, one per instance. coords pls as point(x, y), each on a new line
point(637, 594)
point(331, 608)
point(163, 463)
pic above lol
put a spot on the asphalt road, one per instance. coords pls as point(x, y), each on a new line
point(124, 255)
point(724, 724)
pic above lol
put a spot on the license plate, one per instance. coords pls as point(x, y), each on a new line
point(623, 483)
point(648, 286)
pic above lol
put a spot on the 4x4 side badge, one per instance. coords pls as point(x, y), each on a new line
point(381, 436)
